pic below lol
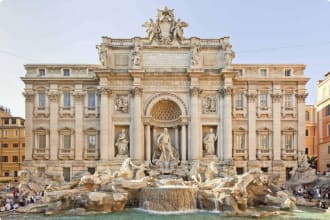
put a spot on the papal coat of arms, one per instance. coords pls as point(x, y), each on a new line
point(166, 28)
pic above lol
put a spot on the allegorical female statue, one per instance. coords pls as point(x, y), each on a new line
point(208, 142)
point(122, 143)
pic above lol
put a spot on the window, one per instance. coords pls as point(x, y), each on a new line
point(15, 145)
point(264, 141)
point(307, 132)
point(15, 158)
point(328, 149)
point(328, 126)
point(289, 141)
point(5, 133)
point(42, 72)
point(4, 159)
point(66, 141)
point(239, 170)
point(327, 110)
point(66, 72)
point(306, 150)
point(263, 101)
point(307, 115)
point(91, 141)
point(288, 72)
point(6, 173)
point(16, 132)
point(240, 141)
point(91, 100)
point(6, 121)
point(287, 172)
point(288, 102)
point(41, 141)
point(240, 73)
point(23, 145)
point(239, 102)
point(42, 99)
point(67, 174)
point(263, 72)
point(66, 100)
point(91, 170)
point(13, 121)
point(15, 173)
point(4, 145)
point(264, 169)
point(23, 158)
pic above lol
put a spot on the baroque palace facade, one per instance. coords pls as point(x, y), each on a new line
point(83, 117)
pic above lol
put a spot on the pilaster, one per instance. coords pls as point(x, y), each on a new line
point(195, 148)
point(227, 123)
point(252, 97)
point(277, 97)
point(137, 150)
point(53, 97)
point(29, 98)
point(79, 118)
point(104, 122)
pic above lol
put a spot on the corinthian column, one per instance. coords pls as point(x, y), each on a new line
point(53, 124)
point(29, 97)
point(277, 97)
point(301, 122)
point(195, 148)
point(227, 123)
point(252, 97)
point(104, 122)
point(137, 149)
point(79, 118)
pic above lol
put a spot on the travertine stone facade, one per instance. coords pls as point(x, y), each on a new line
point(143, 85)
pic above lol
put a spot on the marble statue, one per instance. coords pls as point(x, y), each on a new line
point(103, 56)
point(164, 144)
point(151, 29)
point(178, 29)
point(136, 56)
point(194, 56)
point(122, 143)
point(209, 141)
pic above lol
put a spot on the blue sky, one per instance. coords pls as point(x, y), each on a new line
point(66, 31)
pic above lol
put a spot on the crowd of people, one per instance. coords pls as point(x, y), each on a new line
point(11, 199)
point(321, 195)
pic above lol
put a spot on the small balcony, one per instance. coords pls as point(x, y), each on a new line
point(41, 111)
point(91, 111)
point(264, 154)
point(91, 154)
point(289, 154)
point(40, 154)
point(66, 154)
point(240, 154)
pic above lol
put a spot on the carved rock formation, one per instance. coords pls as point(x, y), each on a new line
point(166, 199)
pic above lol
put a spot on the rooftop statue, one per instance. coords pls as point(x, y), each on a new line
point(166, 28)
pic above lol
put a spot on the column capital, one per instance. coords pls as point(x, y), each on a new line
point(251, 97)
point(276, 97)
point(195, 91)
point(53, 96)
point(227, 91)
point(137, 91)
point(104, 90)
point(184, 120)
point(29, 95)
point(301, 97)
point(78, 95)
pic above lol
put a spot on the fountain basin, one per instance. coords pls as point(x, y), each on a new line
point(168, 198)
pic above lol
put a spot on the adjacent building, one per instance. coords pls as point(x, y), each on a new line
point(84, 117)
point(12, 145)
point(323, 123)
point(311, 143)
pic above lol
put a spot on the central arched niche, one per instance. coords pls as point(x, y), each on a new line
point(165, 111)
